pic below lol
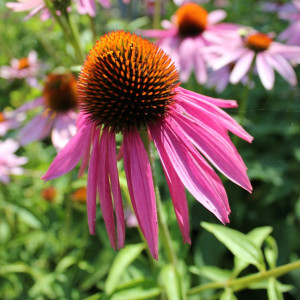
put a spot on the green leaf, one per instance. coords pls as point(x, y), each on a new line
point(171, 282)
point(228, 295)
point(271, 252)
point(238, 243)
point(213, 273)
point(124, 258)
point(263, 284)
point(273, 291)
point(257, 236)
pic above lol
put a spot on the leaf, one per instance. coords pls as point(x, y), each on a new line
point(124, 258)
point(271, 252)
point(213, 273)
point(264, 285)
point(65, 263)
point(171, 282)
point(257, 236)
point(228, 295)
point(273, 291)
point(238, 243)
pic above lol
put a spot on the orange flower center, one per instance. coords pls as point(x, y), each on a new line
point(60, 93)
point(23, 63)
point(191, 19)
point(258, 42)
point(79, 195)
point(49, 193)
point(2, 118)
point(126, 82)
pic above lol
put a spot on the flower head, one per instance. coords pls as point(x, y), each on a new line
point(259, 48)
point(185, 38)
point(9, 162)
point(25, 67)
point(59, 103)
point(128, 85)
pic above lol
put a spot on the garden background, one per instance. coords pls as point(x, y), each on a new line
point(46, 251)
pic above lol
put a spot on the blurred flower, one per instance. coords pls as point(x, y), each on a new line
point(291, 34)
point(26, 67)
point(184, 39)
point(89, 6)
point(59, 103)
point(10, 120)
point(34, 6)
point(267, 54)
point(128, 85)
point(79, 195)
point(278, 6)
point(9, 162)
point(130, 218)
point(217, 3)
point(49, 193)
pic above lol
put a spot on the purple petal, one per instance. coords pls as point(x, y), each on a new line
point(92, 180)
point(216, 16)
point(104, 189)
point(197, 176)
point(218, 150)
point(265, 71)
point(140, 186)
point(115, 187)
point(70, 155)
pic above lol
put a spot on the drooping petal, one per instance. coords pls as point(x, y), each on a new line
point(104, 189)
point(216, 16)
point(70, 155)
point(115, 187)
point(36, 129)
point(92, 180)
point(281, 65)
point(242, 67)
point(63, 130)
point(228, 58)
point(140, 186)
point(197, 176)
point(265, 71)
point(186, 56)
point(176, 188)
point(215, 148)
point(213, 116)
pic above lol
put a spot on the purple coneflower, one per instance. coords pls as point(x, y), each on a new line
point(128, 85)
point(184, 39)
point(23, 68)
point(59, 103)
point(9, 162)
point(260, 48)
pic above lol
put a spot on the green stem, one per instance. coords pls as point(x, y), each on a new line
point(157, 11)
point(93, 28)
point(244, 282)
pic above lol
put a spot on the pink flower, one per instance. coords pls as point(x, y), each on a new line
point(291, 34)
point(128, 85)
point(10, 120)
point(267, 54)
point(59, 104)
point(191, 30)
point(26, 67)
point(9, 162)
point(35, 6)
point(89, 6)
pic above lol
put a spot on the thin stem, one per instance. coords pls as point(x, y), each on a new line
point(244, 282)
point(157, 11)
point(93, 28)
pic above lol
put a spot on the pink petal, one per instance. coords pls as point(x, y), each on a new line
point(281, 65)
point(212, 116)
point(216, 16)
point(36, 129)
point(93, 174)
point(69, 156)
point(140, 186)
point(175, 186)
point(242, 67)
point(115, 187)
point(229, 57)
point(197, 176)
point(265, 71)
point(218, 150)
point(104, 189)
point(30, 105)
point(186, 56)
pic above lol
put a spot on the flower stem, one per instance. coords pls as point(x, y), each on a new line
point(157, 11)
point(244, 282)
